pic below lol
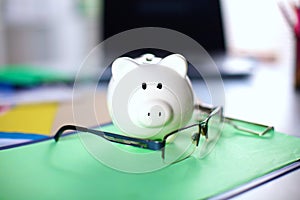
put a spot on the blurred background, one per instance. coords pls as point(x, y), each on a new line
point(56, 34)
point(44, 42)
point(59, 34)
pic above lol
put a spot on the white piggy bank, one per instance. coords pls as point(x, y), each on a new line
point(149, 97)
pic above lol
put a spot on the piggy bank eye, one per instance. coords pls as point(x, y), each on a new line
point(159, 85)
point(144, 86)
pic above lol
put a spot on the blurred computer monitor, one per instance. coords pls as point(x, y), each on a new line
point(198, 19)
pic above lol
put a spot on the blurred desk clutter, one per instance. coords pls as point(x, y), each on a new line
point(29, 99)
point(41, 110)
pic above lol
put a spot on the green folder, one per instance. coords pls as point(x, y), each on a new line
point(27, 75)
point(65, 170)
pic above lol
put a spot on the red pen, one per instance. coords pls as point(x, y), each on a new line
point(297, 36)
point(295, 26)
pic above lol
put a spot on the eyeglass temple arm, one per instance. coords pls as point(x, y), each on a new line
point(204, 107)
point(147, 144)
point(64, 128)
point(209, 108)
point(260, 133)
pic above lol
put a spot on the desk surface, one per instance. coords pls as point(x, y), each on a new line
point(267, 97)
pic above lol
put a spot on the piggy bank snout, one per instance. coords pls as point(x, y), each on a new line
point(156, 113)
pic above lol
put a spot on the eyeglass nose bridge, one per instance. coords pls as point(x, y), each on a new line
point(202, 130)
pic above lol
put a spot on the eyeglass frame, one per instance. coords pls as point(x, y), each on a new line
point(157, 145)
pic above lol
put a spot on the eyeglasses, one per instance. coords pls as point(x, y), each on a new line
point(181, 143)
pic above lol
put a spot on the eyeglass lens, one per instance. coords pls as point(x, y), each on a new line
point(214, 130)
point(180, 145)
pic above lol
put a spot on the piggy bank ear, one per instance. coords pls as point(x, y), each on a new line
point(176, 62)
point(122, 66)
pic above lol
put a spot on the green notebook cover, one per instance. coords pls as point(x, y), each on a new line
point(26, 75)
point(65, 170)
